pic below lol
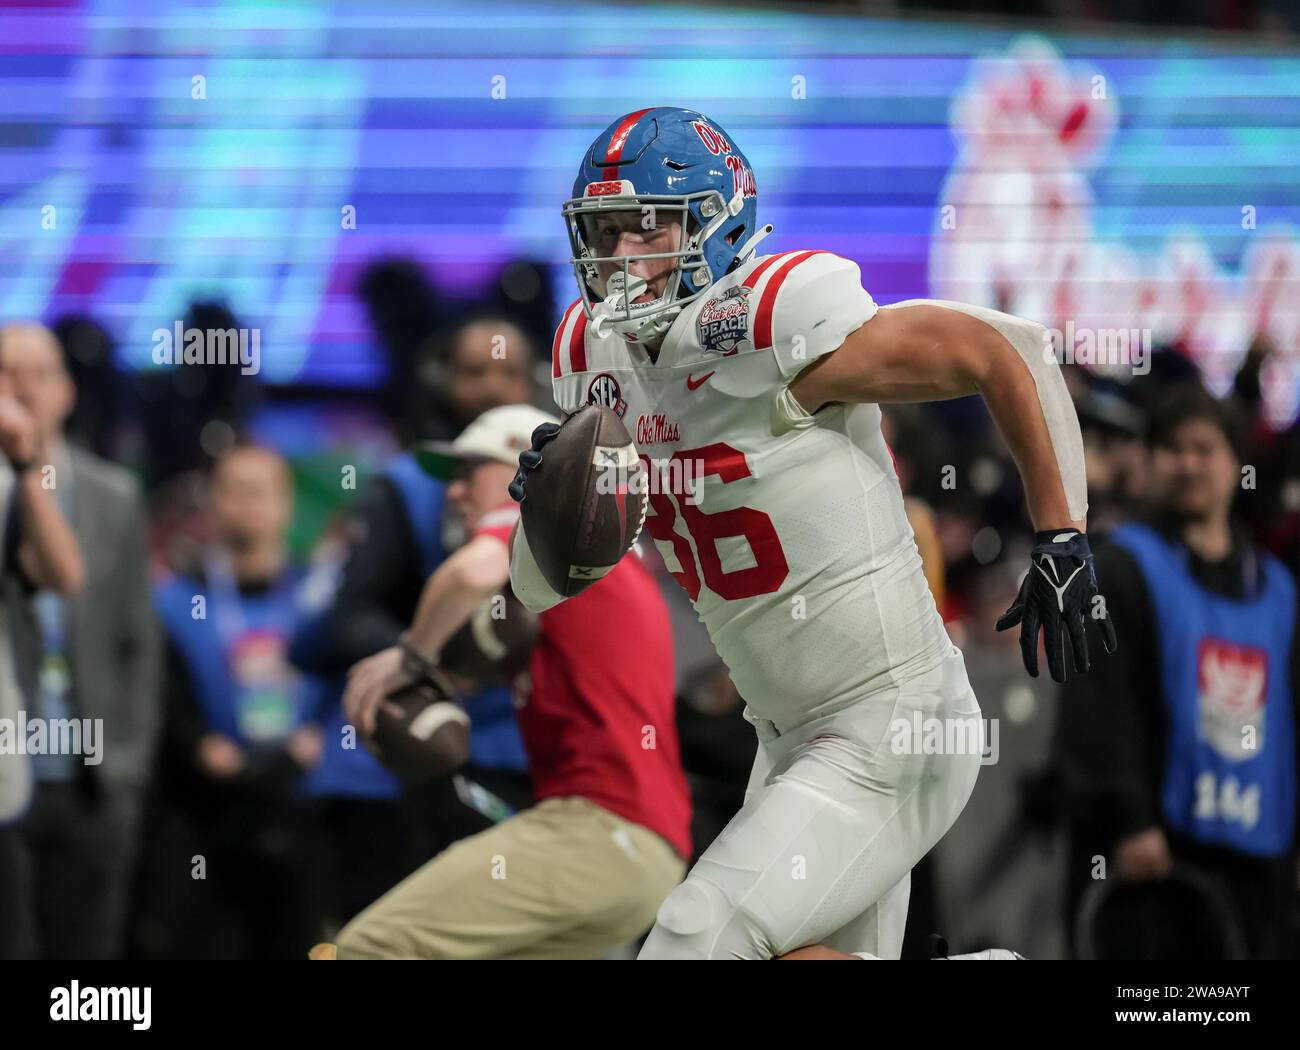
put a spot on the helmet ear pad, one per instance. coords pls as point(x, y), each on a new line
point(727, 242)
point(720, 251)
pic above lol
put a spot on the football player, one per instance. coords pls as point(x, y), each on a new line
point(758, 380)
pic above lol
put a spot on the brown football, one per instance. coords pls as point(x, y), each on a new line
point(585, 503)
point(423, 734)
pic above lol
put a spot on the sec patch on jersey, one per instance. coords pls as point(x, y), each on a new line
point(586, 501)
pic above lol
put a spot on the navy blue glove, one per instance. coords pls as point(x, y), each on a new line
point(529, 459)
point(1059, 594)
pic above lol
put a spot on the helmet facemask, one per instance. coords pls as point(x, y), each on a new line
point(607, 297)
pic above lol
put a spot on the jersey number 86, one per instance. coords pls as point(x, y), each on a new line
point(770, 568)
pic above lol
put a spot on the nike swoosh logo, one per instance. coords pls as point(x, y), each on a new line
point(694, 384)
point(1060, 591)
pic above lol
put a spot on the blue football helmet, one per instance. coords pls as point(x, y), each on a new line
point(646, 171)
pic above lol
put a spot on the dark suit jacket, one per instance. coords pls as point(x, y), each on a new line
point(115, 644)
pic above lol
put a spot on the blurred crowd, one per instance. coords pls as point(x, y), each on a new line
point(234, 815)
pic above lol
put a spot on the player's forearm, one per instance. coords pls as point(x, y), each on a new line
point(461, 584)
point(1011, 395)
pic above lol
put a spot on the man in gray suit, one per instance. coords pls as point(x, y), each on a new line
point(92, 656)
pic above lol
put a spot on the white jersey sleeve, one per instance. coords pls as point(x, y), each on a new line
point(819, 302)
point(569, 357)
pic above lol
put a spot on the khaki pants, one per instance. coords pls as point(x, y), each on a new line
point(563, 880)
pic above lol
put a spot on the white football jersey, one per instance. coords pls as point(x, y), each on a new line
point(790, 539)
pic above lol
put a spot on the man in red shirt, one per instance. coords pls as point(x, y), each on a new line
point(585, 869)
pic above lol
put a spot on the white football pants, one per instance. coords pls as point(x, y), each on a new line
point(837, 813)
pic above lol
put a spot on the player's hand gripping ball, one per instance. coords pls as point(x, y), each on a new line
point(582, 495)
point(407, 714)
point(421, 732)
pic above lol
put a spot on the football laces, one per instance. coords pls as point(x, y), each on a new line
point(640, 523)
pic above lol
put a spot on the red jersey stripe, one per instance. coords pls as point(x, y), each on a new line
point(578, 344)
point(752, 280)
point(556, 344)
point(766, 304)
point(615, 152)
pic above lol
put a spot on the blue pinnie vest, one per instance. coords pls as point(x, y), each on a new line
point(353, 772)
point(495, 741)
point(248, 714)
point(345, 772)
point(1225, 668)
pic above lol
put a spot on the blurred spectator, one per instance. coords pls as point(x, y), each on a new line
point(373, 831)
point(38, 549)
point(42, 545)
point(397, 528)
point(485, 360)
point(523, 293)
point(405, 309)
point(1275, 517)
point(917, 461)
point(399, 538)
point(449, 362)
point(1178, 753)
point(92, 656)
point(191, 411)
point(230, 868)
point(998, 870)
point(88, 355)
point(608, 835)
point(1116, 456)
point(371, 837)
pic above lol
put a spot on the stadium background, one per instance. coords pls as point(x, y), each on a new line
point(1160, 167)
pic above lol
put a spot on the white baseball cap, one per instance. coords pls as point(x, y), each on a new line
point(499, 434)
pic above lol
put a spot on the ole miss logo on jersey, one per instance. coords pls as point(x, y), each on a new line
point(723, 323)
point(604, 390)
point(657, 429)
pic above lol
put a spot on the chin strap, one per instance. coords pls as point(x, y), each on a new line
point(751, 243)
point(605, 317)
point(649, 329)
